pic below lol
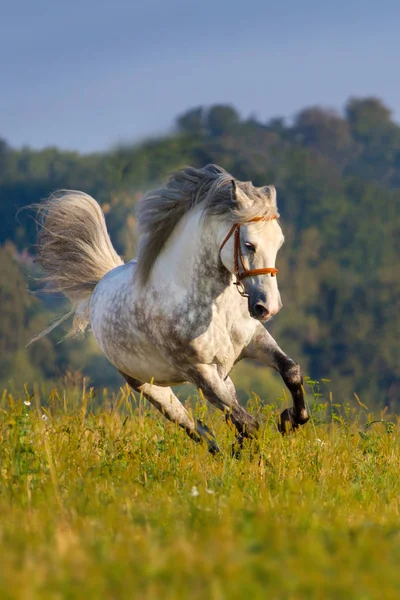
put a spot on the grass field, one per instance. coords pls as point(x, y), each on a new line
point(102, 498)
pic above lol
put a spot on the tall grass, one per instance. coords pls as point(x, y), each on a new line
point(102, 498)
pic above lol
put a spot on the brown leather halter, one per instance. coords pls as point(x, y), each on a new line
point(237, 254)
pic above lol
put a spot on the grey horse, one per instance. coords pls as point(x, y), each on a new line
point(195, 301)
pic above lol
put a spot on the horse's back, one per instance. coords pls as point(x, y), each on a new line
point(118, 274)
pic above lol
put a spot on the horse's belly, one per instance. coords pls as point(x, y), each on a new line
point(133, 356)
point(145, 366)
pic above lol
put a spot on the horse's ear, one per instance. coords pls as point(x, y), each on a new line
point(239, 198)
point(233, 190)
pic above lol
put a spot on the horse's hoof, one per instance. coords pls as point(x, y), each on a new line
point(237, 447)
point(236, 451)
point(288, 421)
point(214, 448)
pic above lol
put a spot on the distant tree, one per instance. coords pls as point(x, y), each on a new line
point(379, 137)
point(277, 125)
point(191, 121)
point(368, 118)
point(5, 152)
point(324, 130)
point(4, 148)
point(221, 119)
point(14, 302)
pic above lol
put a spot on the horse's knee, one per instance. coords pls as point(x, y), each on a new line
point(293, 375)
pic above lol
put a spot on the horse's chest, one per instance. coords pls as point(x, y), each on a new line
point(223, 341)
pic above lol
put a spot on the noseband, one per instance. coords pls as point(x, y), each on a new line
point(238, 258)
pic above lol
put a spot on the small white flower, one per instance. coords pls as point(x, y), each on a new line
point(27, 402)
point(45, 417)
point(210, 491)
point(194, 491)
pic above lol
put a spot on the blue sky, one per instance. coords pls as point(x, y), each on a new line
point(87, 75)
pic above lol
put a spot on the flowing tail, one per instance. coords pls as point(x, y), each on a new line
point(75, 251)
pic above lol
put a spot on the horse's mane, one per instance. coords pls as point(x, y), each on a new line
point(211, 187)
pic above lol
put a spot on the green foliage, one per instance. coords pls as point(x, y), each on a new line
point(338, 181)
point(192, 121)
point(221, 119)
point(106, 500)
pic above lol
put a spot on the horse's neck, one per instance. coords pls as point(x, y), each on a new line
point(190, 260)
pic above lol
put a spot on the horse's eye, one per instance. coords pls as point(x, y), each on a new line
point(250, 246)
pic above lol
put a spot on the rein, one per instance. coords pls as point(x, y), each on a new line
point(238, 257)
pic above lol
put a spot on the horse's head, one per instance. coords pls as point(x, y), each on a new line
point(251, 254)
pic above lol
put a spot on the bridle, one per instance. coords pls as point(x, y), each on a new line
point(238, 258)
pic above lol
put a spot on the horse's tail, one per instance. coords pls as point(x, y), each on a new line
point(75, 251)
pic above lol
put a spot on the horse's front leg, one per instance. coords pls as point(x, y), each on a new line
point(222, 394)
point(264, 348)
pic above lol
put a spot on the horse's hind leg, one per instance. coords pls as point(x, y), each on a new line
point(164, 399)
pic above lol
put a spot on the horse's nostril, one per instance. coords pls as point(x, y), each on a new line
point(260, 311)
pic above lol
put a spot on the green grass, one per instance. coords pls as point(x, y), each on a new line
point(102, 498)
